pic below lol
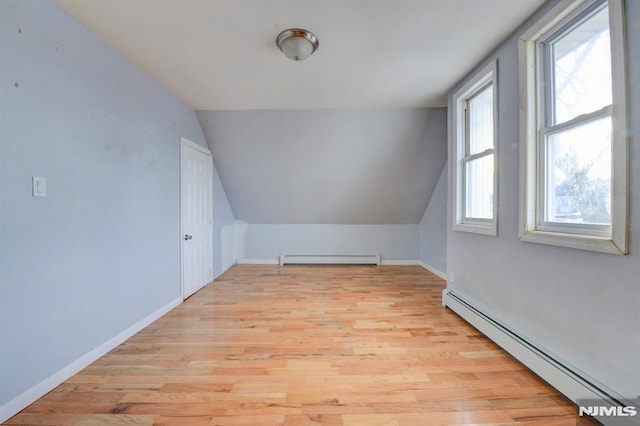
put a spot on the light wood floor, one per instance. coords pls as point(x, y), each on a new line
point(296, 345)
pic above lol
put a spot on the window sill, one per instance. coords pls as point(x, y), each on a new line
point(484, 229)
point(581, 242)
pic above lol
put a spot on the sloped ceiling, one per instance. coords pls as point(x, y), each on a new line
point(352, 166)
point(221, 54)
point(342, 137)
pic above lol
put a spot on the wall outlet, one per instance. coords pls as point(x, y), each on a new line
point(452, 276)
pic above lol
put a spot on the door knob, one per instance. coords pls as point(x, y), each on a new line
point(187, 237)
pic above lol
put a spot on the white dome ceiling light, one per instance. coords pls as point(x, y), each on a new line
point(297, 44)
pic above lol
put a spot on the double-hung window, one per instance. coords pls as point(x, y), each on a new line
point(574, 171)
point(474, 147)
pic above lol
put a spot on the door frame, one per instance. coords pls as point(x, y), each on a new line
point(188, 144)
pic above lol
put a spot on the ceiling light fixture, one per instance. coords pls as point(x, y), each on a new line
point(297, 44)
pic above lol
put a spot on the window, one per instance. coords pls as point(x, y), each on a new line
point(574, 152)
point(474, 174)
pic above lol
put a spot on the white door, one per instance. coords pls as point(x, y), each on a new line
point(196, 216)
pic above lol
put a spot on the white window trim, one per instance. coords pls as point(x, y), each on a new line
point(617, 243)
point(485, 76)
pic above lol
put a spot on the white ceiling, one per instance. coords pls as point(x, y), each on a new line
point(221, 54)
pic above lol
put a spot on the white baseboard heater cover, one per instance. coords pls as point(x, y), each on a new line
point(344, 259)
point(570, 381)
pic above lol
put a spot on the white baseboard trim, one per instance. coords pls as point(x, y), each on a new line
point(258, 262)
point(277, 262)
point(429, 268)
point(566, 378)
point(433, 270)
point(399, 262)
point(330, 259)
point(383, 262)
point(17, 404)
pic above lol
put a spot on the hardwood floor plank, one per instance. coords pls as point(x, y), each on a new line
point(265, 420)
point(370, 420)
point(307, 345)
point(313, 420)
point(183, 421)
point(38, 419)
point(456, 418)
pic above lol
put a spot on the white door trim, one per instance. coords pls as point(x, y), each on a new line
point(184, 142)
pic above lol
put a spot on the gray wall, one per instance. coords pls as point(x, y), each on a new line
point(433, 228)
point(581, 306)
point(333, 166)
point(328, 181)
point(102, 250)
point(267, 242)
point(224, 244)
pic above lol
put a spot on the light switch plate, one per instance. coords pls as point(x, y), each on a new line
point(39, 186)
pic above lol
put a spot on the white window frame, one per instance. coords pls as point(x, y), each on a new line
point(532, 111)
point(487, 76)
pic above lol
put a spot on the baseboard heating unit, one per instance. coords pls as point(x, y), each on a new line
point(345, 259)
point(573, 383)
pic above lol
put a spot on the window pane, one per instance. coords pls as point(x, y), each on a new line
point(582, 68)
point(578, 177)
point(480, 110)
point(479, 188)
